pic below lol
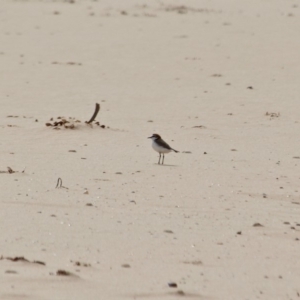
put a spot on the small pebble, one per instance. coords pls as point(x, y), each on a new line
point(172, 284)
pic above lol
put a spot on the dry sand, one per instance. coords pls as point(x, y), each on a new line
point(203, 76)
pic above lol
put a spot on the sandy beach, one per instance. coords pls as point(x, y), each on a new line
point(219, 81)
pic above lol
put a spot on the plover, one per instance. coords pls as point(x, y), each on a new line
point(160, 146)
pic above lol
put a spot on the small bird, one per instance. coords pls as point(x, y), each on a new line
point(160, 146)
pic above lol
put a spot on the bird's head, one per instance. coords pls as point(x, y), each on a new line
point(154, 136)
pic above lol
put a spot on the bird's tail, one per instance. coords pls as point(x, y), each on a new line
point(175, 150)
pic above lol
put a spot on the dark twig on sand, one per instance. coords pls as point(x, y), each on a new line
point(11, 171)
point(59, 184)
point(71, 123)
point(23, 259)
point(97, 108)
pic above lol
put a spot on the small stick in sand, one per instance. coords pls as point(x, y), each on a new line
point(97, 108)
point(59, 183)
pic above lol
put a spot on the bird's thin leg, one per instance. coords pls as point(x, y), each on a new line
point(159, 158)
point(163, 159)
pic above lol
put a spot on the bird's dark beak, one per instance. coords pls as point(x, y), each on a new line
point(149, 137)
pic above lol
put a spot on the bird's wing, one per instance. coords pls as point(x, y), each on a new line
point(162, 143)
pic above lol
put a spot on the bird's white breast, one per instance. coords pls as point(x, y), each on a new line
point(159, 149)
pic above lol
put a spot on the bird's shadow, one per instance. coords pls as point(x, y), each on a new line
point(163, 165)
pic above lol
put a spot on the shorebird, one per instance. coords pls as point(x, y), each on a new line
point(160, 146)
